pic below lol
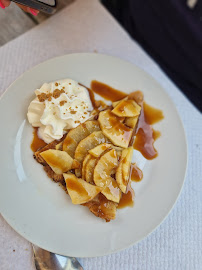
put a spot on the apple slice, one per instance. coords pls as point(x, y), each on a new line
point(91, 163)
point(90, 166)
point(112, 192)
point(86, 159)
point(98, 150)
point(123, 170)
point(131, 121)
point(104, 168)
point(119, 173)
point(59, 146)
point(59, 161)
point(94, 139)
point(114, 130)
point(127, 108)
point(79, 190)
point(115, 103)
point(126, 164)
point(77, 134)
point(75, 164)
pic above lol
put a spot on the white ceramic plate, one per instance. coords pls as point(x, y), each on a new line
point(40, 210)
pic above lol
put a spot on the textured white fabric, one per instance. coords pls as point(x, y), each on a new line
point(86, 26)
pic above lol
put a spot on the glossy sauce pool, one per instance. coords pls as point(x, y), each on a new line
point(136, 174)
point(107, 91)
point(145, 134)
point(37, 142)
point(127, 199)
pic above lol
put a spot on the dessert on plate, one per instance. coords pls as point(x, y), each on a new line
point(87, 144)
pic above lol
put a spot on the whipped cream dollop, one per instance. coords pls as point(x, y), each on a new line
point(58, 107)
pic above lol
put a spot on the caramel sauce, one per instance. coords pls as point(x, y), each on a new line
point(113, 153)
point(102, 209)
point(135, 173)
point(37, 142)
point(113, 189)
point(107, 91)
point(54, 161)
point(67, 141)
point(104, 147)
point(152, 115)
point(124, 160)
point(124, 107)
point(156, 134)
point(74, 185)
point(144, 140)
point(91, 95)
point(145, 135)
point(113, 120)
point(117, 126)
point(127, 199)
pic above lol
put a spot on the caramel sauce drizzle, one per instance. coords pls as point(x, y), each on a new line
point(135, 173)
point(37, 142)
point(77, 187)
point(145, 134)
point(107, 91)
point(127, 198)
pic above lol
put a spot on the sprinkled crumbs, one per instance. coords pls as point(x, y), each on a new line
point(42, 97)
point(62, 102)
point(73, 112)
point(57, 93)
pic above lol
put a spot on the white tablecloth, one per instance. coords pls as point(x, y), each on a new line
point(86, 26)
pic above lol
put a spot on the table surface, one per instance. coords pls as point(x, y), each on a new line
point(14, 21)
point(177, 242)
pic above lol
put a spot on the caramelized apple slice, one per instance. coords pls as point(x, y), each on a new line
point(112, 192)
point(126, 164)
point(37, 155)
point(103, 208)
point(59, 146)
point(90, 166)
point(131, 121)
point(94, 139)
point(77, 134)
point(104, 167)
point(59, 161)
point(127, 108)
point(98, 150)
point(79, 190)
point(115, 103)
point(113, 129)
point(75, 164)
point(86, 159)
point(119, 174)
point(123, 170)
